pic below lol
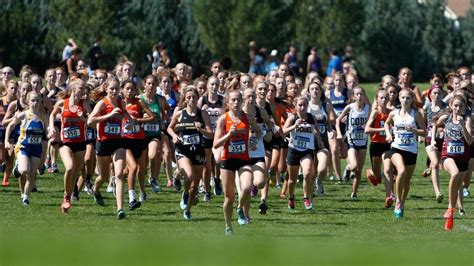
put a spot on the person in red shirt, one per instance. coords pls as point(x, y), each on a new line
point(107, 115)
point(72, 143)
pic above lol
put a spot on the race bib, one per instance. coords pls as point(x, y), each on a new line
point(131, 128)
point(112, 129)
point(90, 134)
point(382, 124)
point(191, 139)
point(300, 142)
point(358, 134)
point(71, 132)
point(322, 129)
point(406, 139)
point(34, 139)
point(237, 147)
point(455, 148)
point(151, 128)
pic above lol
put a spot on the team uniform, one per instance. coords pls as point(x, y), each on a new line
point(277, 141)
point(190, 145)
point(133, 133)
point(378, 144)
point(236, 150)
point(31, 135)
point(320, 113)
point(214, 110)
point(430, 115)
point(338, 104)
point(405, 142)
point(356, 120)
point(73, 128)
point(258, 155)
point(302, 141)
point(109, 131)
point(152, 129)
point(454, 145)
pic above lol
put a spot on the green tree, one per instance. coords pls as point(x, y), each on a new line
point(467, 30)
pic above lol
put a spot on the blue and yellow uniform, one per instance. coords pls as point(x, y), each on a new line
point(31, 135)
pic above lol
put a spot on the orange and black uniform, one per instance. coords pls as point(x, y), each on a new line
point(133, 133)
point(73, 127)
point(109, 132)
point(236, 150)
point(378, 144)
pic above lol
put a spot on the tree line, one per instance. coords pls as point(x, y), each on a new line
point(384, 35)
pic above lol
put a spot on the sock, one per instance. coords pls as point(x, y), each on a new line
point(131, 195)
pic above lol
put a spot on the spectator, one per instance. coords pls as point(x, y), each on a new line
point(314, 62)
point(335, 64)
point(67, 51)
point(273, 62)
point(71, 62)
point(94, 54)
point(292, 61)
point(348, 56)
point(258, 65)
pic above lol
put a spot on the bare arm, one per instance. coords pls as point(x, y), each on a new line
point(368, 127)
point(388, 122)
point(338, 121)
point(220, 139)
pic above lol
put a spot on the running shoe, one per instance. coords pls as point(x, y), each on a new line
point(110, 188)
point(66, 205)
point(183, 204)
point(319, 188)
point(55, 168)
point(282, 177)
point(332, 178)
point(449, 219)
point(398, 211)
point(25, 201)
point(354, 196)
point(201, 189)
point(462, 212)
point(247, 219)
point(207, 197)
point(272, 182)
point(41, 170)
point(3, 166)
point(5, 183)
point(388, 202)
point(278, 185)
point(426, 172)
point(228, 231)
point(98, 199)
point(169, 184)
point(241, 217)
point(262, 207)
point(347, 175)
point(466, 192)
point(254, 191)
point(88, 187)
point(121, 214)
point(291, 203)
point(217, 186)
point(195, 200)
point(439, 197)
point(308, 204)
point(187, 215)
point(371, 177)
point(134, 205)
point(154, 185)
point(75, 196)
point(114, 187)
point(47, 163)
point(35, 189)
point(142, 197)
point(177, 184)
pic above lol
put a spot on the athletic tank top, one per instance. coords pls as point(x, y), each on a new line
point(111, 128)
point(214, 110)
point(404, 139)
point(135, 130)
point(338, 102)
point(31, 131)
point(190, 137)
point(356, 125)
point(454, 144)
point(72, 126)
point(379, 122)
point(237, 146)
point(260, 151)
point(321, 115)
point(429, 118)
point(152, 129)
point(302, 137)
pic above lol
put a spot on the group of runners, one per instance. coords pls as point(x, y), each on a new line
point(234, 132)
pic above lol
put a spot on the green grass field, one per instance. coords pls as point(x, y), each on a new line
point(339, 232)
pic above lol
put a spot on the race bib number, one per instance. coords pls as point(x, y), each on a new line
point(300, 142)
point(71, 132)
point(90, 134)
point(455, 148)
point(406, 139)
point(191, 139)
point(358, 134)
point(112, 129)
point(34, 139)
point(152, 128)
point(237, 147)
point(382, 124)
point(131, 128)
